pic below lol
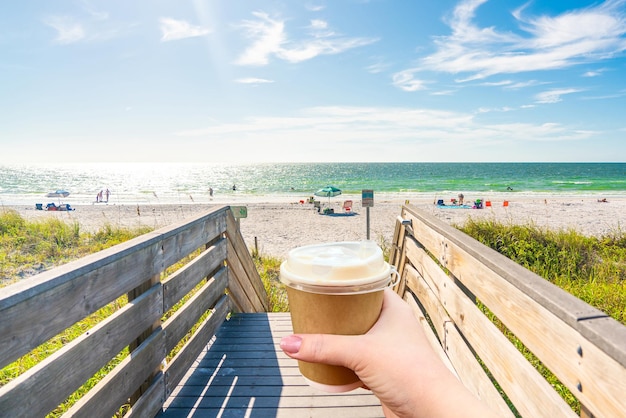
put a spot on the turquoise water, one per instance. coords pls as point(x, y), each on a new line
point(156, 183)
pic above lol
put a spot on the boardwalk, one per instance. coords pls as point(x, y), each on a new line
point(243, 373)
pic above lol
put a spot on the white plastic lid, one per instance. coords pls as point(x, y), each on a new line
point(336, 268)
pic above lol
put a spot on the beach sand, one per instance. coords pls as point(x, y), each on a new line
point(278, 226)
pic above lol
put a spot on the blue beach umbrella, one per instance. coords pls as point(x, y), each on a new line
point(59, 194)
point(328, 191)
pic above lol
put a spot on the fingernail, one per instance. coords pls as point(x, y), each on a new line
point(291, 344)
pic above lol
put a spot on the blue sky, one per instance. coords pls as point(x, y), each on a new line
point(313, 80)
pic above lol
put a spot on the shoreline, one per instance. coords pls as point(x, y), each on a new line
point(277, 225)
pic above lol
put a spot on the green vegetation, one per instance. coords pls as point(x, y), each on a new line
point(27, 248)
point(590, 268)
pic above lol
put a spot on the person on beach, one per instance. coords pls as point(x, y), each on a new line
point(461, 197)
point(395, 361)
point(107, 193)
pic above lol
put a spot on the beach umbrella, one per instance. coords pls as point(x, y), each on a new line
point(59, 194)
point(328, 191)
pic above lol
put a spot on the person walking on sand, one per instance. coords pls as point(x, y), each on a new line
point(99, 197)
point(211, 191)
point(107, 193)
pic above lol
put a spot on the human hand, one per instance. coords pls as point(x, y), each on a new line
point(395, 360)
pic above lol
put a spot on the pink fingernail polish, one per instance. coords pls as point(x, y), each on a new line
point(291, 344)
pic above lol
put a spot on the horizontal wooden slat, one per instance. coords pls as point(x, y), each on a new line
point(465, 364)
point(105, 399)
point(554, 325)
point(189, 314)
point(84, 356)
point(179, 365)
point(69, 293)
point(184, 280)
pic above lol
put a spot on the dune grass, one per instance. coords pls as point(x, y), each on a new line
point(591, 268)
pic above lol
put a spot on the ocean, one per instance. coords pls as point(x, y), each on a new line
point(179, 183)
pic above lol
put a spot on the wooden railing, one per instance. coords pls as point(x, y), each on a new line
point(209, 269)
point(456, 286)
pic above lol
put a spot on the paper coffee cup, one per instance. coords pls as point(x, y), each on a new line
point(335, 288)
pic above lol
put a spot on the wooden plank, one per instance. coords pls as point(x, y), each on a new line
point(240, 251)
point(184, 280)
point(84, 356)
point(179, 365)
point(105, 399)
point(462, 361)
point(179, 324)
point(473, 376)
point(431, 336)
point(180, 240)
point(66, 295)
point(510, 369)
point(429, 301)
point(258, 379)
point(553, 324)
point(69, 293)
point(241, 283)
point(151, 402)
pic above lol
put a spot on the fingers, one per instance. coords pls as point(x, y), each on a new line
point(336, 350)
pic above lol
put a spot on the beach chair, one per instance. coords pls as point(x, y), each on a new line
point(39, 206)
point(347, 206)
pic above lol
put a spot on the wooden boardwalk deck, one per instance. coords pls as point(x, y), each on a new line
point(243, 373)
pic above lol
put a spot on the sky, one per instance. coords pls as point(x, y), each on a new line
point(312, 81)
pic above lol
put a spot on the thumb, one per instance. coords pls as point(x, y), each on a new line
point(321, 348)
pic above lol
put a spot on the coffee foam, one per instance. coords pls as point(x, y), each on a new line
point(354, 265)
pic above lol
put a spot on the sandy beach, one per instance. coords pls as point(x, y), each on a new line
point(279, 226)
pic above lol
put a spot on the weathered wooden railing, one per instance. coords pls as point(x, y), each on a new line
point(207, 254)
point(451, 281)
point(174, 276)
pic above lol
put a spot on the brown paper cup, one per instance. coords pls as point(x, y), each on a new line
point(336, 290)
point(332, 314)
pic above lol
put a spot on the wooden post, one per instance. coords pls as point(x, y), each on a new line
point(367, 211)
point(134, 294)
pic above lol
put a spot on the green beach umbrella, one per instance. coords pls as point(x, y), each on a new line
point(328, 191)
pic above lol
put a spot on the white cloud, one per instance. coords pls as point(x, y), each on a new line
point(173, 30)
point(380, 131)
point(554, 96)
point(68, 30)
point(269, 39)
point(252, 80)
point(406, 81)
point(319, 24)
point(542, 43)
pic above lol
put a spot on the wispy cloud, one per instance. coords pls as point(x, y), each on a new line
point(269, 39)
point(407, 82)
point(540, 43)
point(554, 96)
point(68, 30)
point(377, 129)
point(252, 80)
point(173, 29)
